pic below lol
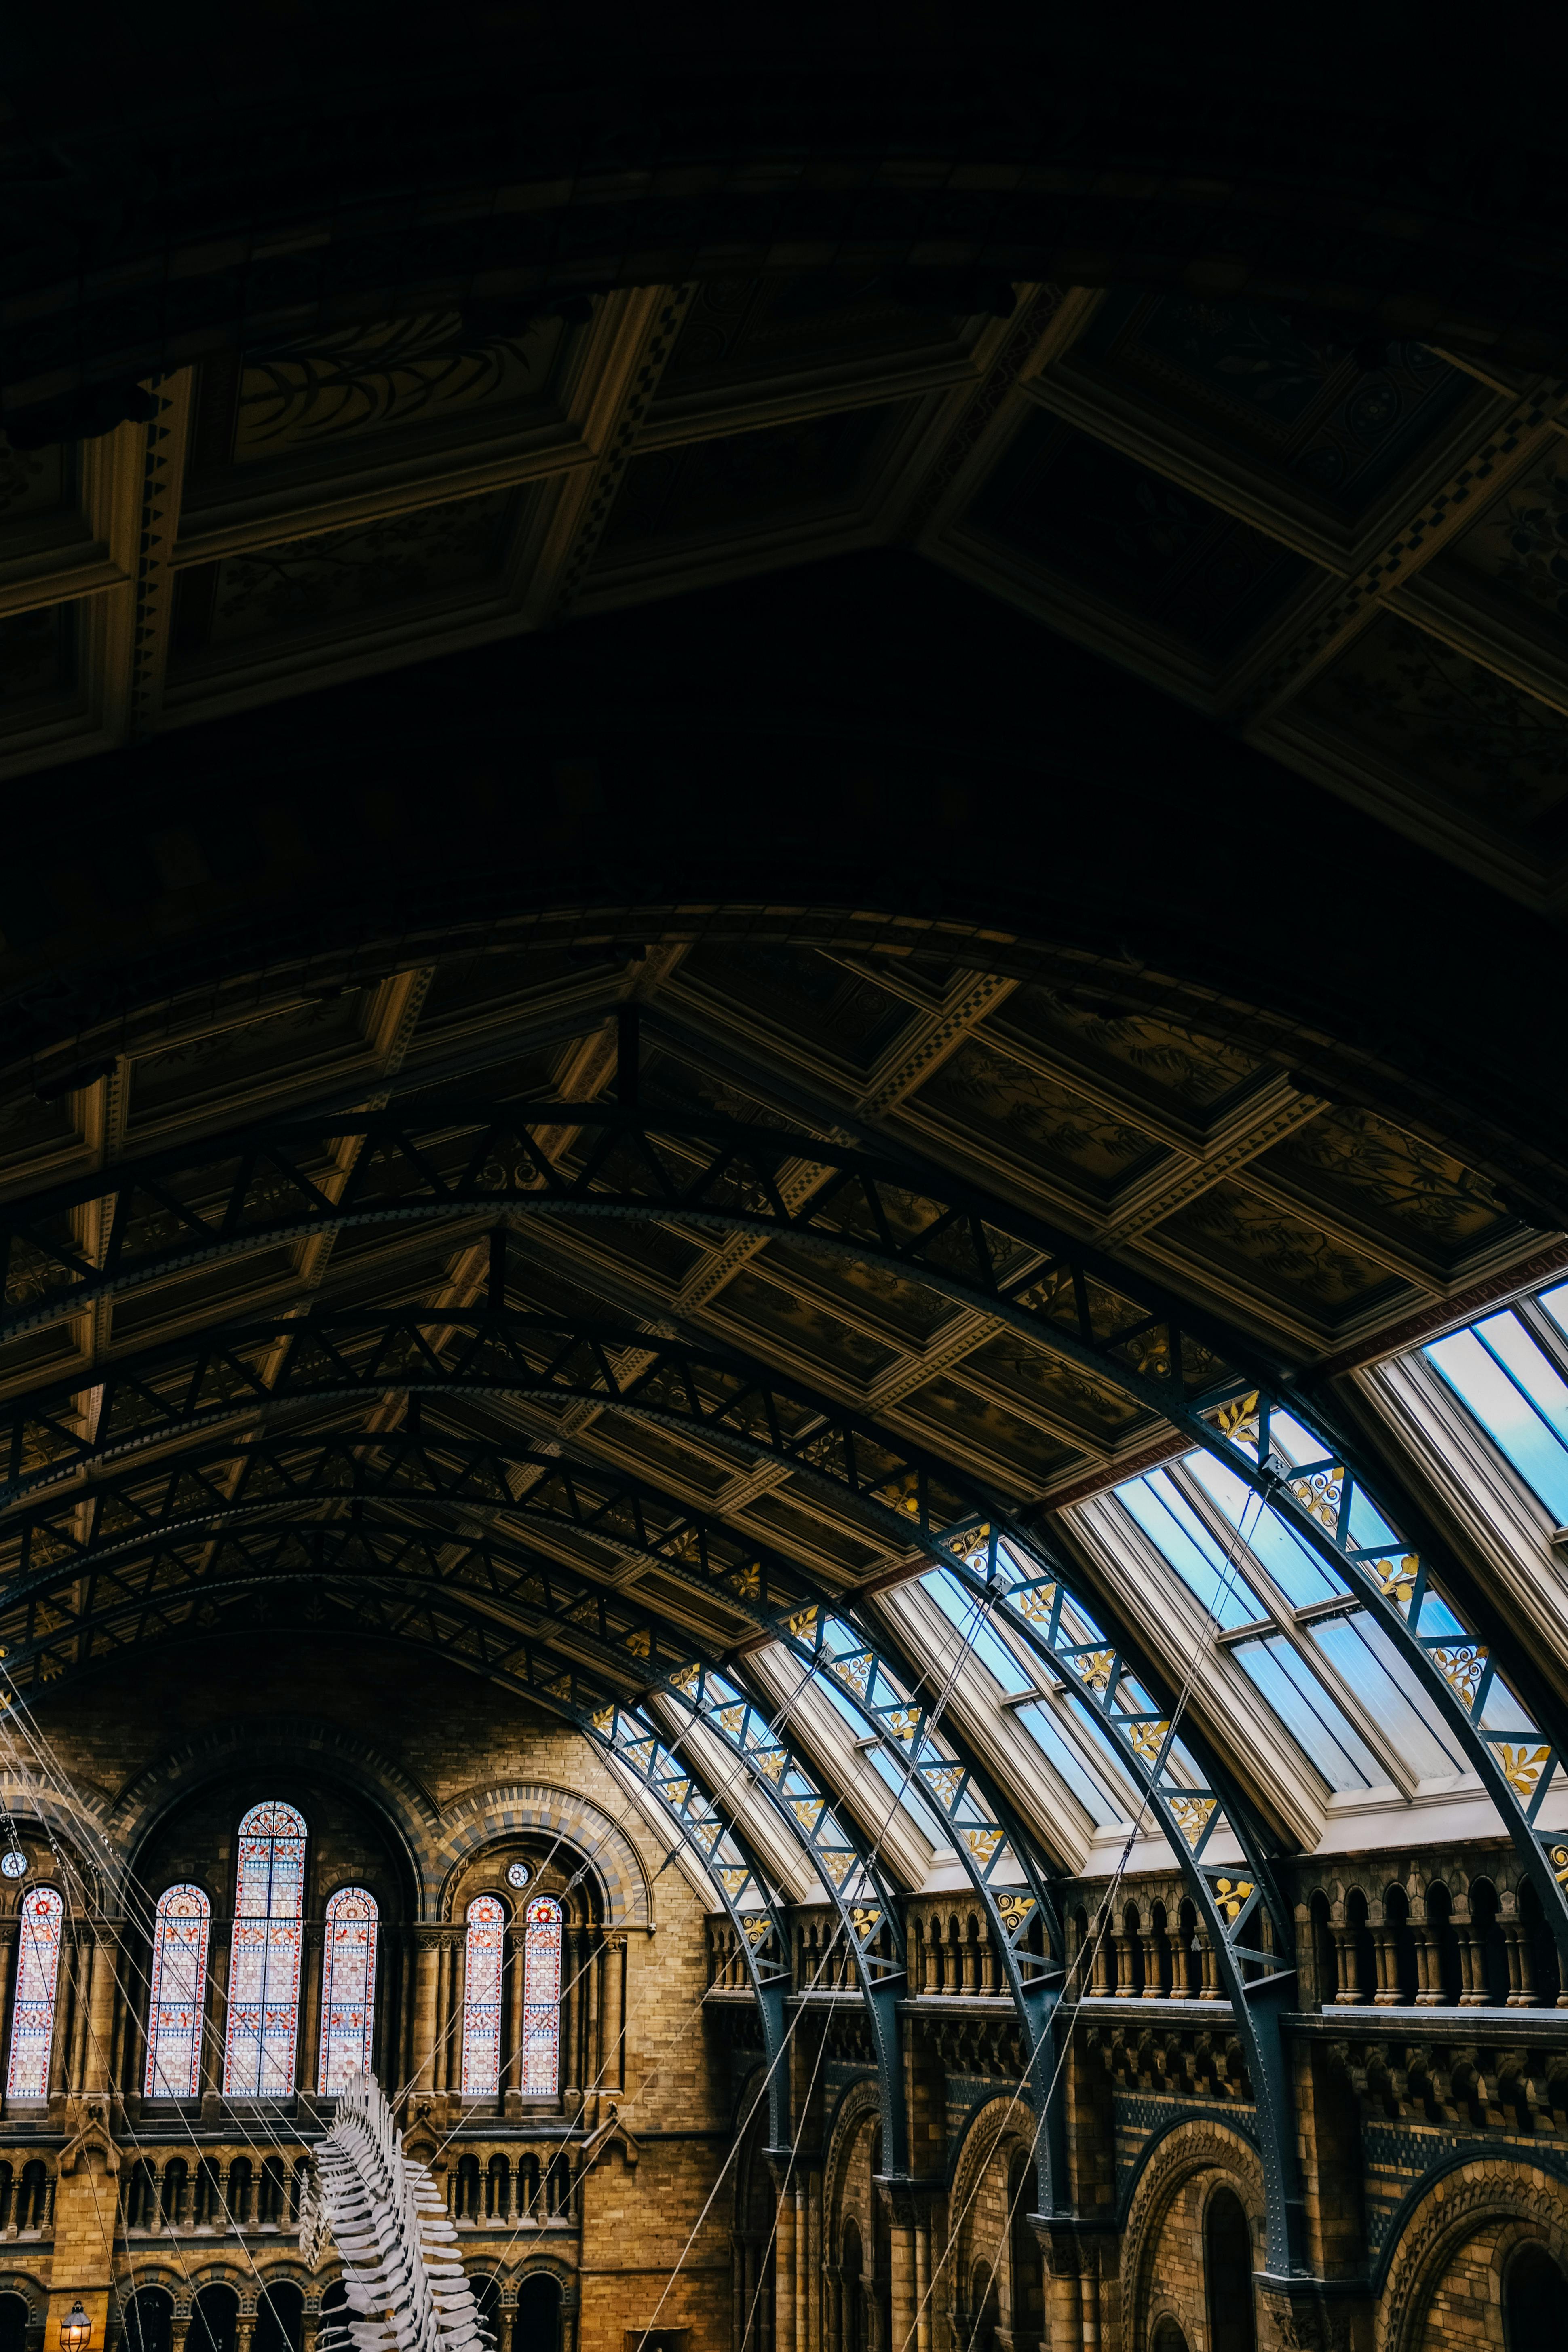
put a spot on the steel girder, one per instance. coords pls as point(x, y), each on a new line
point(179, 1561)
point(904, 1496)
point(1136, 1340)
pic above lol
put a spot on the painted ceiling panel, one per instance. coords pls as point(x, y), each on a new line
point(1094, 518)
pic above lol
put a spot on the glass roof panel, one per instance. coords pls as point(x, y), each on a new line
point(1174, 1529)
point(1299, 1573)
point(1370, 1667)
point(1515, 1412)
point(963, 1610)
point(1096, 1799)
point(1320, 1729)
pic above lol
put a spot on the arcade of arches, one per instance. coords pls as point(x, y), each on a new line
point(783, 1180)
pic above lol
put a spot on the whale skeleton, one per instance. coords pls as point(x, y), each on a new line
point(407, 2290)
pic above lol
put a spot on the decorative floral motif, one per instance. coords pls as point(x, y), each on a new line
point(1286, 1247)
point(1032, 1114)
point(1446, 720)
point(395, 372)
point(1398, 1175)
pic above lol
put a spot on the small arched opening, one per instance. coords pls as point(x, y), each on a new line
point(1361, 1945)
point(1445, 1963)
point(280, 2318)
point(537, 2328)
point(215, 2320)
point(1404, 1983)
point(1228, 2274)
point(1491, 1947)
point(1533, 2288)
point(149, 2322)
point(854, 2265)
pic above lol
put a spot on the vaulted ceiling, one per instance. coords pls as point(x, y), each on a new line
point(1097, 748)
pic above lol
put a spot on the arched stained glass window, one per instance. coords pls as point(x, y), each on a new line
point(33, 2014)
point(348, 1986)
point(264, 1957)
point(175, 2011)
point(481, 1997)
point(542, 1998)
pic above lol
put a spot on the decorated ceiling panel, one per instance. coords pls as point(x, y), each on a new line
point(1190, 487)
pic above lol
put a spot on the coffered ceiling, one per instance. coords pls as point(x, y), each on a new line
point(1358, 560)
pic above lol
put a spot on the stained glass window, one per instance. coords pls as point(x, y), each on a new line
point(179, 1978)
point(481, 1997)
point(33, 2014)
point(264, 1957)
point(348, 1986)
point(541, 1998)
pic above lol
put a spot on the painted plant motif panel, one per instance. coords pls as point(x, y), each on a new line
point(1287, 1251)
point(249, 1053)
point(175, 2005)
point(1519, 545)
point(1287, 388)
point(743, 478)
point(805, 992)
point(1064, 1389)
point(802, 1325)
point(38, 658)
point(33, 2008)
point(347, 1987)
point(741, 329)
point(948, 1408)
point(1399, 1178)
point(1450, 723)
point(35, 481)
point(345, 577)
point(910, 1311)
point(265, 1953)
point(362, 378)
point(1177, 1062)
point(1032, 1116)
point(1082, 511)
point(483, 1953)
point(542, 1998)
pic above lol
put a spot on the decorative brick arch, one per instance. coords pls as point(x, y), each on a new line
point(860, 2105)
point(504, 1808)
point(285, 1743)
point(34, 2294)
point(1468, 2196)
point(1190, 2147)
point(1003, 2127)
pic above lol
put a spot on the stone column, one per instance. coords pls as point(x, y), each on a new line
point(98, 2063)
point(1386, 1949)
point(1104, 1962)
point(802, 2266)
point(1472, 1964)
point(1150, 1939)
point(814, 2261)
point(1520, 1965)
point(1063, 2329)
point(901, 2248)
point(578, 1966)
point(615, 2023)
point(426, 2007)
point(511, 2069)
point(1349, 1991)
point(832, 2308)
point(1429, 1965)
point(215, 1992)
point(309, 2041)
point(783, 2274)
point(1122, 1941)
point(923, 2285)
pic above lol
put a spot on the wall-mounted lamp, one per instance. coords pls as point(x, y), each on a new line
point(76, 2329)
